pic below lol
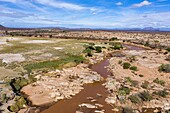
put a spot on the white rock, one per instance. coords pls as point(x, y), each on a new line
point(110, 100)
point(97, 111)
point(88, 106)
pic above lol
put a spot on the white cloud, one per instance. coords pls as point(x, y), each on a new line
point(12, 1)
point(144, 3)
point(63, 5)
point(119, 3)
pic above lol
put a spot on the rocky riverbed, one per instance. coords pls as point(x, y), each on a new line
point(138, 87)
point(56, 85)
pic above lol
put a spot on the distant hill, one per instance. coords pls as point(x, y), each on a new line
point(2, 27)
point(146, 29)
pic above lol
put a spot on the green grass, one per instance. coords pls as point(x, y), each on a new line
point(53, 64)
point(20, 47)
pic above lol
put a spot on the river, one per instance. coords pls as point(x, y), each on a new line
point(97, 91)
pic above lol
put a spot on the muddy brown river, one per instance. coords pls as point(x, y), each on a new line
point(96, 91)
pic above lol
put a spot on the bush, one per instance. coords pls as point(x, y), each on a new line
point(18, 83)
point(127, 110)
point(118, 46)
point(168, 49)
point(161, 82)
point(165, 68)
point(134, 68)
point(145, 96)
point(21, 102)
point(113, 39)
point(162, 93)
point(120, 62)
point(89, 54)
point(134, 99)
point(98, 49)
point(13, 108)
point(124, 90)
point(133, 82)
point(126, 65)
point(145, 84)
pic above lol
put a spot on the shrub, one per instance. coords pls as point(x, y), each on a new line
point(161, 82)
point(13, 108)
point(145, 84)
point(124, 90)
point(134, 99)
point(117, 47)
point(133, 82)
point(120, 62)
point(134, 68)
point(113, 39)
point(165, 68)
point(21, 102)
point(18, 83)
point(162, 93)
point(168, 49)
point(145, 96)
point(132, 58)
point(89, 54)
point(98, 49)
point(126, 65)
point(127, 110)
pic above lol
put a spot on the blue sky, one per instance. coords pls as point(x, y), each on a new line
point(85, 13)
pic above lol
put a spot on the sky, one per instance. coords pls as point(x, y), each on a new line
point(85, 13)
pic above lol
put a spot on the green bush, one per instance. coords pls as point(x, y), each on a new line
point(168, 49)
point(134, 68)
point(126, 65)
point(145, 84)
point(117, 47)
point(128, 79)
point(18, 83)
point(113, 39)
point(134, 99)
point(165, 68)
point(13, 108)
point(162, 93)
point(161, 82)
point(98, 49)
point(21, 102)
point(124, 90)
point(145, 96)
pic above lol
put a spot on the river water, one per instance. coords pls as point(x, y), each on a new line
point(96, 91)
